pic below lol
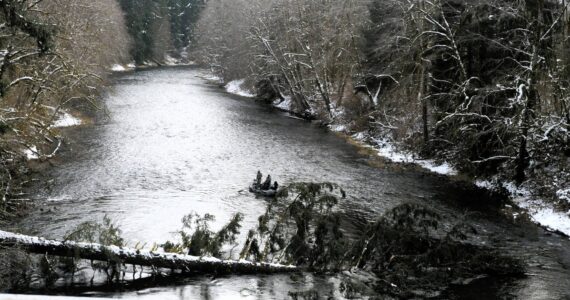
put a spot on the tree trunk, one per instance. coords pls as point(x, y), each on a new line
point(422, 98)
point(535, 8)
point(185, 263)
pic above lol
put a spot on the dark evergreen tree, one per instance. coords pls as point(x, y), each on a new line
point(146, 20)
point(183, 15)
point(139, 15)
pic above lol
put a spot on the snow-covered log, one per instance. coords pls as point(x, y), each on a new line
point(185, 263)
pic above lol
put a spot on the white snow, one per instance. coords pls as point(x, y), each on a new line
point(443, 168)
point(171, 61)
point(66, 120)
point(123, 68)
point(545, 215)
point(31, 153)
point(338, 128)
point(211, 77)
point(563, 194)
point(285, 104)
point(127, 252)
point(236, 87)
point(540, 211)
point(484, 184)
point(389, 151)
point(118, 68)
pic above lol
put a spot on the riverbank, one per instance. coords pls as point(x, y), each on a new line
point(551, 213)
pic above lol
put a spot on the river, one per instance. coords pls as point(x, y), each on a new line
point(173, 144)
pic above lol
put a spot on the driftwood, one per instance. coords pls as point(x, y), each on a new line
point(184, 263)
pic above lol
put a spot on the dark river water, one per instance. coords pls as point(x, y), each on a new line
point(173, 144)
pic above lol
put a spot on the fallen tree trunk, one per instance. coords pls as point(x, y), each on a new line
point(114, 254)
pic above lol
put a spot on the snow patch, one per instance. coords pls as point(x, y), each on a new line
point(540, 211)
point(563, 194)
point(338, 128)
point(118, 68)
point(236, 87)
point(31, 153)
point(123, 68)
point(285, 104)
point(171, 61)
point(211, 77)
point(387, 150)
point(545, 215)
point(66, 120)
point(443, 169)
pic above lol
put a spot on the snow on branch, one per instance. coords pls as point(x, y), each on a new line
point(92, 251)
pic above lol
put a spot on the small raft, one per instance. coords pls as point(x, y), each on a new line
point(265, 193)
point(266, 189)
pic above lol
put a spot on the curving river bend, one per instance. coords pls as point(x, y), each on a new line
point(173, 144)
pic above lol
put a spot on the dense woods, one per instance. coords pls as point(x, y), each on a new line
point(483, 84)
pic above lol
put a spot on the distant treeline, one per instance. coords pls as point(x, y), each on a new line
point(160, 27)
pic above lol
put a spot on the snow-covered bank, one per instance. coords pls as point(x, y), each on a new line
point(283, 105)
point(167, 61)
point(236, 87)
point(389, 151)
point(540, 211)
point(118, 68)
point(122, 68)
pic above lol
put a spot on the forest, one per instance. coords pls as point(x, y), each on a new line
point(480, 89)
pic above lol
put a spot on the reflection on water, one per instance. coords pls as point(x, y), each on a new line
point(174, 145)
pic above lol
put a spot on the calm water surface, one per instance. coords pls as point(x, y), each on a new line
point(174, 144)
